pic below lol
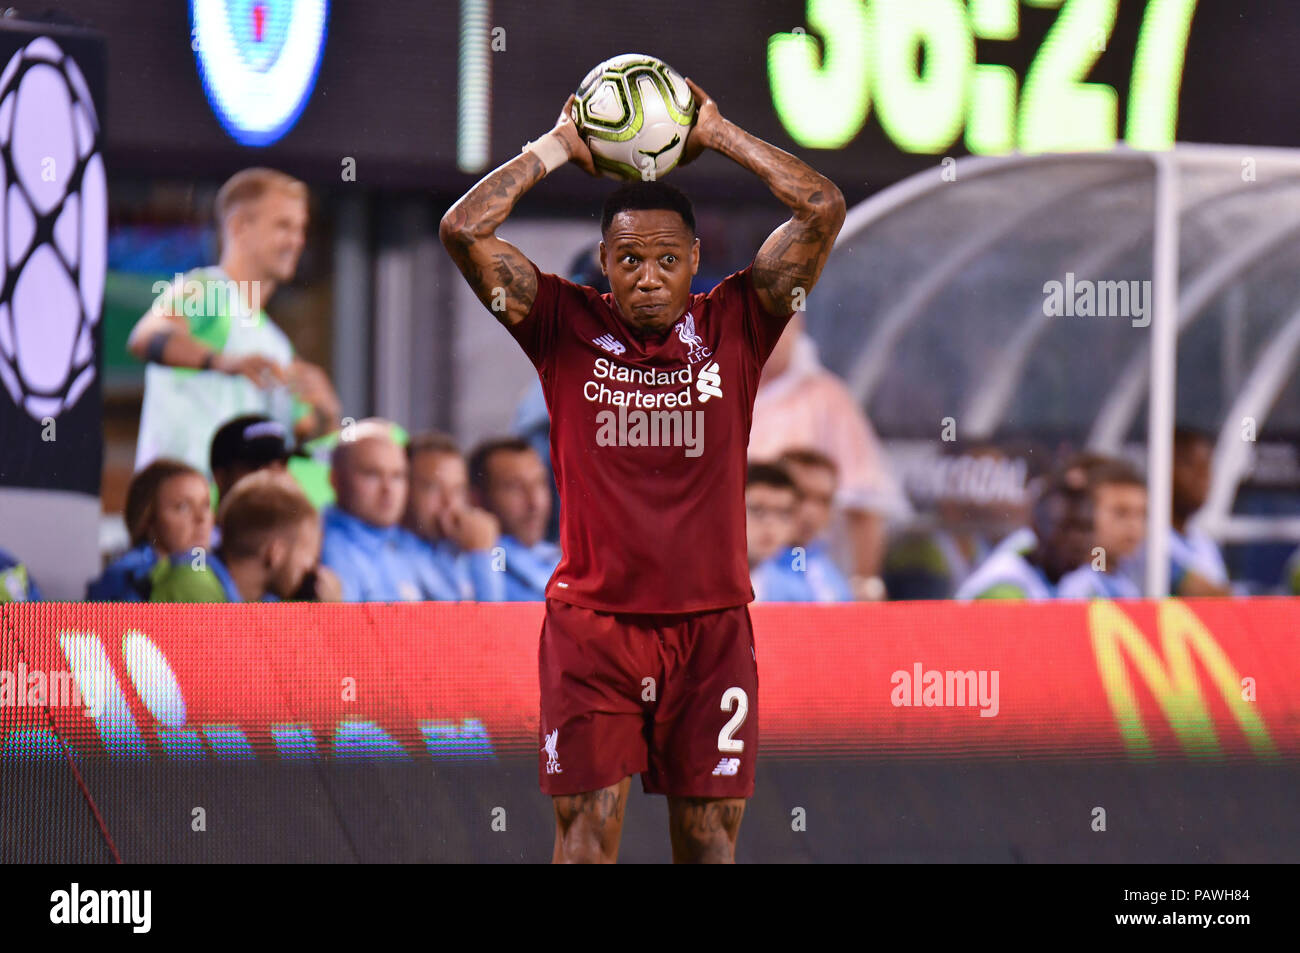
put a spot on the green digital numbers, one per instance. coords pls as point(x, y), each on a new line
point(916, 59)
point(823, 106)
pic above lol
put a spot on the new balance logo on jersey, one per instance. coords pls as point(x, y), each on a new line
point(709, 383)
point(727, 768)
point(609, 343)
point(694, 343)
point(552, 757)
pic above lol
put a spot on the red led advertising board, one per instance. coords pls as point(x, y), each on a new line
point(1206, 679)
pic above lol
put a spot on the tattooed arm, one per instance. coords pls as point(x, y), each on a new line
point(498, 272)
point(793, 256)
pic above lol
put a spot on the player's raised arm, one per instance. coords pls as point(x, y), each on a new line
point(793, 256)
point(500, 274)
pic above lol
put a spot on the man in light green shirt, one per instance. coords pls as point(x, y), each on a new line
point(213, 351)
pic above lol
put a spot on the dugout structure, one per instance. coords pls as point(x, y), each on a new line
point(966, 277)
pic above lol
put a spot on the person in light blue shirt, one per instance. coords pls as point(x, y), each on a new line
point(771, 506)
point(815, 478)
point(364, 543)
point(509, 481)
point(458, 543)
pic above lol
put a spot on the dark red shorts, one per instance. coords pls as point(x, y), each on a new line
point(672, 697)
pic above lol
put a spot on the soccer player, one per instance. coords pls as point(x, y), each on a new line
point(270, 546)
point(771, 515)
point(454, 539)
point(213, 321)
point(168, 511)
point(647, 657)
point(508, 480)
point(1119, 499)
point(1031, 565)
point(816, 477)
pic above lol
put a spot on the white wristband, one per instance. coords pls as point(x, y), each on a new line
point(550, 150)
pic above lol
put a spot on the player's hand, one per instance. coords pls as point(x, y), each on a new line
point(471, 528)
point(328, 586)
point(311, 384)
point(258, 368)
point(708, 120)
point(574, 144)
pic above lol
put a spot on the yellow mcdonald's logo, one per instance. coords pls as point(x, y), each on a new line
point(1171, 677)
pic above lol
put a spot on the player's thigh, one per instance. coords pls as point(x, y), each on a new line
point(705, 733)
point(588, 826)
point(704, 830)
point(592, 730)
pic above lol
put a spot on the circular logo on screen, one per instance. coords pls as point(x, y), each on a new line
point(258, 60)
point(53, 230)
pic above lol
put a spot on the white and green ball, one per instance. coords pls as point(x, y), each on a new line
point(634, 112)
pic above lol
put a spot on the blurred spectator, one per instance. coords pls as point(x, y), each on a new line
point(1196, 565)
point(364, 541)
point(455, 539)
point(213, 352)
point(271, 541)
point(771, 517)
point(168, 510)
point(1119, 501)
point(245, 445)
point(800, 403)
point(980, 502)
point(1291, 575)
point(815, 480)
point(508, 480)
point(1030, 565)
point(532, 418)
point(16, 584)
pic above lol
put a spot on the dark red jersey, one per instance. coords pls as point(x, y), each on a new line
point(648, 443)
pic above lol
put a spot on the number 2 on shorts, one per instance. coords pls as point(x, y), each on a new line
point(733, 698)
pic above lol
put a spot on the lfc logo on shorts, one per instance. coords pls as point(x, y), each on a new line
point(552, 756)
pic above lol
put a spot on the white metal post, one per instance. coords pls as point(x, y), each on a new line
point(1160, 401)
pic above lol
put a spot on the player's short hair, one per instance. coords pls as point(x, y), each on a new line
point(1068, 484)
point(808, 457)
point(368, 429)
point(259, 507)
point(142, 495)
point(645, 196)
point(249, 185)
point(1102, 470)
point(480, 457)
point(770, 474)
point(432, 441)
point(1185, 437)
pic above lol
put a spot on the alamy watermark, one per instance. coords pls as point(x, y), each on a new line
point(208, 297)
point(921, 688)
point(1085, 298)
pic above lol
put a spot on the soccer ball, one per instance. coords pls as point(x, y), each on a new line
point(53, 230)
point(634, 112)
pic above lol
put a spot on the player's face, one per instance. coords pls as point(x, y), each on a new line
point(183, 517)
point(769, 520)
point(273, 233)
point(372, 481)
point(1073, 534)
point(292, 561)
point(650, 258)
point(1191, 476)
point(816, 493)
point(439, 487)
point(1121, 519)
point(519, 495)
